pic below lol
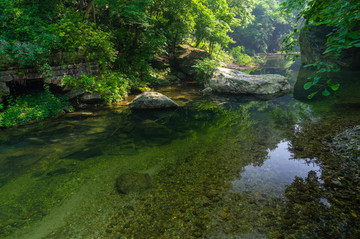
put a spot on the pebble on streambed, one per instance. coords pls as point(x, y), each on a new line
point(346, 144)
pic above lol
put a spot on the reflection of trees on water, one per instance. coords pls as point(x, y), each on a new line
point(326, 206)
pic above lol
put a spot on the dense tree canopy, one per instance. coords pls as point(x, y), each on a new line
point(128, 33)
point(267, 30)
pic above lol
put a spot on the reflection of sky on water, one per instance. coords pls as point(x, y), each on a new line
point(277, 171)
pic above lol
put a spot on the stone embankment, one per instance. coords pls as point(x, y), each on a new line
point(12, 77)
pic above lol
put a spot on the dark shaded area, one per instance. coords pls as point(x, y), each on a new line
point(313, 41)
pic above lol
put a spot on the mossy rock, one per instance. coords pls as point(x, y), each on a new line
point(133, 182)
point(186, 58)
point(152, 100)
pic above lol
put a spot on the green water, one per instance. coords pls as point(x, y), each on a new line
point(220, 167)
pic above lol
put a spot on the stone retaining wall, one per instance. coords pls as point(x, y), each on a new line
point(25, 75)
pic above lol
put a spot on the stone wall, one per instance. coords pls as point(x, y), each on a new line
point(26, 76)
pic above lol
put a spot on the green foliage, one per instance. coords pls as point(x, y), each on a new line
point(112, 86)
point(344, 17)
point(317, 80)
point(212, 23)
point(24, 39)
point(84, 39)
point(23, 54)
point(240, 57)
point(122, 36)
point(32, 107)
point(204, 68)
point(266, 31)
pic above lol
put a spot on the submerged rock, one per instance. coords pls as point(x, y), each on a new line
point(150, 128)
point(133, 182)
point(232, 81)
point(152, 100)
point(73, 93)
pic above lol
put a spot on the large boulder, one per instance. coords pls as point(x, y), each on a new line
point(225, 80)
point(90, 98)
point(313, 44)
point(186, 58)
point(152, 100)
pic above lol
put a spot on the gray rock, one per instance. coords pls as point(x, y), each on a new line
point(72, 94)
point(6, 78)
point(232, 81)
point(152, 100)
point(133, 182)
point(88, 98)
point(4, 89)
point(207, 91)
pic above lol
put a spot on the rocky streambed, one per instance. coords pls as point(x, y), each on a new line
point(346, 144)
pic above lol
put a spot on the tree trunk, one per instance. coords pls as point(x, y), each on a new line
point(90, 6)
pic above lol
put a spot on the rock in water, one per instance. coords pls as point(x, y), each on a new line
point(152, 100)
point(232, 81)
point(133, 182)
point(89, 98)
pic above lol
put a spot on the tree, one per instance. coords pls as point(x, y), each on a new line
point(265, 33)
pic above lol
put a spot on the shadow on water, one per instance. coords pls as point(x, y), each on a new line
point(223, 167)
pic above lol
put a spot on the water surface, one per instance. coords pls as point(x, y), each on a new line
point(220, 167)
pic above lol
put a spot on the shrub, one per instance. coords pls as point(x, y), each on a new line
point(204, 68)
point(32, 107)
point(240, 57)
point(85, 39)
point(112, 86)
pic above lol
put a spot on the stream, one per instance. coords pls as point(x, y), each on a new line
point(217, 167)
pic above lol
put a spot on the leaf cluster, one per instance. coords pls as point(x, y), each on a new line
point(112, 86)
point(31, 107)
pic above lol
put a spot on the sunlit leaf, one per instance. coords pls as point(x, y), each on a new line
point(316, 80)
point(308, 85)
point(335, 87)
point(326, 93)
point(312, 95)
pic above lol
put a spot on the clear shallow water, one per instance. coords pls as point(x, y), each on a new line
point(220, 167)
point(277, 172)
